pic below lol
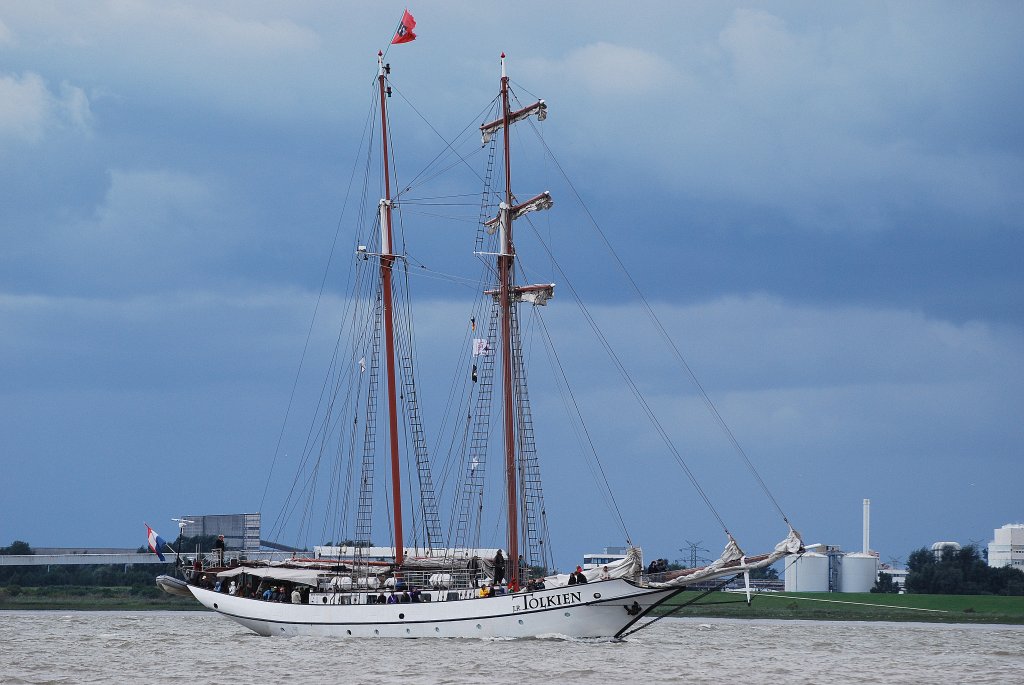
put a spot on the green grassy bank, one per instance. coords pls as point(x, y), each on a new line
point(806, 606)
point(856, 607)
point(91, 598)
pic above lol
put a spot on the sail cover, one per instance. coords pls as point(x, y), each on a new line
point(292, 575)
point(733, 561)
point(630, 567)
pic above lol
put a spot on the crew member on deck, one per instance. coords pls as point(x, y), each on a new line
point(577, 578)
point(218, 547)
point(499, 568)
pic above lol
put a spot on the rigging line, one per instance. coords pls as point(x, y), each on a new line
point(427, 203)
point(427, 272)
point(464, 407)
point(306, 451)
point(526, 90)
point(332, 522)
point(451, 409)
point(336, 494)
point(449, 217)
point(404, 345)
point(448, 145)
point(309, 332)
point(307, 514)
point(712, 409)
point(325, 422)
point(324, 450)
point(450, 401)
point(417, 448)
point(677, 608)
point(346, 505)
point(359, 284)
point(443, 197)
point(413, 185)
point(569, 398)
point(798, 598)
point(630, 383)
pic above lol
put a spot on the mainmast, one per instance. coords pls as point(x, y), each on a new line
point(508, 294)
point(387, 260)
point(506, 255)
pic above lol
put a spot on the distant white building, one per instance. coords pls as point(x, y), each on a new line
point(1008, 547)
point(610, 555)
point(899, 576)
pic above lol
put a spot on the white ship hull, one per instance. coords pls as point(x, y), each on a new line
point(600, 609)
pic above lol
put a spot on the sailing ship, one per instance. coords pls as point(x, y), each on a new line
point(447, 586)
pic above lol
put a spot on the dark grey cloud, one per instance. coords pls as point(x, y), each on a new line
point(824, 204)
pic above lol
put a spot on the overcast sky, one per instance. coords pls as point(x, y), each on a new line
point(823, 202)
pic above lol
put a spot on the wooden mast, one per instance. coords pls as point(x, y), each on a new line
point(505, 272)
point(387, 259)
point(508, 295)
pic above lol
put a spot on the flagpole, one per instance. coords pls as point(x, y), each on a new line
point(393, 34)
point(403, 32)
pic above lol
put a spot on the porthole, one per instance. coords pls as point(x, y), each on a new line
point(407, 631)
point(597, 595)
point(520, 621)
point(214, 605)
point(567, 614)
point(349, 632)
point(376, 632)
point(478, 626)
point(401, 616)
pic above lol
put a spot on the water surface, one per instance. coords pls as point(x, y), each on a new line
point(158, 647)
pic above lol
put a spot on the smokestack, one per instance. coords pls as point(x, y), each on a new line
point(867, 526)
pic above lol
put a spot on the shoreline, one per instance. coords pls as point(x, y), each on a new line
point(964, 609)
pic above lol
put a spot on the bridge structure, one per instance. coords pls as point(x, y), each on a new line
point(81, 556)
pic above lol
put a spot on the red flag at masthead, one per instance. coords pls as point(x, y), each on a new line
point(404, 33)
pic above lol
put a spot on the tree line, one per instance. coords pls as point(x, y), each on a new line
point(80, 575)
point(955, 572)
point(19, 547)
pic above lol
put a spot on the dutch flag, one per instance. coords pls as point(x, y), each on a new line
point(156, 543)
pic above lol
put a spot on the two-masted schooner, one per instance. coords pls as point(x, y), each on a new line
point(448, 588)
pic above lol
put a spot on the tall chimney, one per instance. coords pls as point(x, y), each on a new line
point(867, 526)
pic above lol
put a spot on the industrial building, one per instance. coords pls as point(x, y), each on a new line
point(240, 531)
point(826, 568)
point(1007, 549)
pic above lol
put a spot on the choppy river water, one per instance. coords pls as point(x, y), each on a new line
point(155, 647)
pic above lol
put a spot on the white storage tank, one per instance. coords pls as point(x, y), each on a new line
point(858, 573)
point(939, 549)
point(807, 573)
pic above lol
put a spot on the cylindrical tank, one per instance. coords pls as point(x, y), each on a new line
point(858, 572)
point(807, 573)
point(939, 549)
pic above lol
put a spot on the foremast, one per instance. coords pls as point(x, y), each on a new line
point(508, 294)
point(387, 260)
